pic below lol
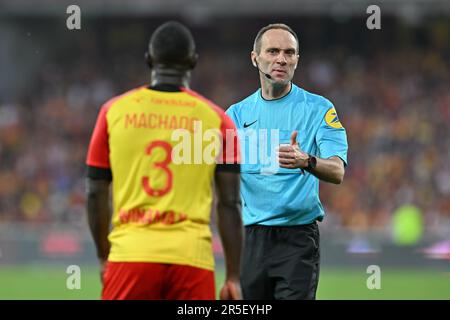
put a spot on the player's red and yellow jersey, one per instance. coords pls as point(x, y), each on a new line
point(161, 207)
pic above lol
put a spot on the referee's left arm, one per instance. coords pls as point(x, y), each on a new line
point(292, 156)
point(329, 170)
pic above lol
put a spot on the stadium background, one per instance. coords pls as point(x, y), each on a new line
point(390, 86)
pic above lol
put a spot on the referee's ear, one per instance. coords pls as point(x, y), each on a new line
point(298, 60)
point(253, 56)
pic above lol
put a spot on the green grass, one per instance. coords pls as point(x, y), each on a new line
point(45, 282)
point(404, 284)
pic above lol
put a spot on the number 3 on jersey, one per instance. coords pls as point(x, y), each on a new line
point(162, 165)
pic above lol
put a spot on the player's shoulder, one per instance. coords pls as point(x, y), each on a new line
point(316, 100)
point(201, 98)
point(247, 101)
point(116, 100)
point(205, 104)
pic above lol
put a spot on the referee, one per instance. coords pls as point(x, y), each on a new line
point(281, 207)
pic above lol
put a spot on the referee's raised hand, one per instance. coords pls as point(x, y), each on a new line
point(291, 156)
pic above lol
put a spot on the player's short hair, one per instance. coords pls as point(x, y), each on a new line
point(282, 26)
point(172, 44)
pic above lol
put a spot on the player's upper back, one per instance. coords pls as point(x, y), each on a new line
point(136, 137)
point(161, 110)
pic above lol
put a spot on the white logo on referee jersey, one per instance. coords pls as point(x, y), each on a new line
point(73, 22)
point(374, 280)
point(74, 279)
point(205, 147)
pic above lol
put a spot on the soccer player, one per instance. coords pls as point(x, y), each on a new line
point(281, 205)
point(160, 243)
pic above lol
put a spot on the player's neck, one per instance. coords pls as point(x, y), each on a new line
point(170, 76)
point(271, 91)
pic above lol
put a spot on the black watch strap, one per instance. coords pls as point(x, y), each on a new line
point(312, 162)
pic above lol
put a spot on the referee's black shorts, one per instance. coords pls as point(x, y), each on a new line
point(281, 262)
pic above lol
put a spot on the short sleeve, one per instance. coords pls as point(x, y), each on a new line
point(331, 138)
point(230, 142)
point(98, 152)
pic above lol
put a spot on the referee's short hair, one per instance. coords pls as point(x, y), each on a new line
point(172, 44)
point(282, 26)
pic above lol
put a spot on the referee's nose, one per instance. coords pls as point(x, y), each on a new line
point(281, 59)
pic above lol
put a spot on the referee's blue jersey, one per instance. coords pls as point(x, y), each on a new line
point(277, 196)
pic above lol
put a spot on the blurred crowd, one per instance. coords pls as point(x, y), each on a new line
point(393, 102)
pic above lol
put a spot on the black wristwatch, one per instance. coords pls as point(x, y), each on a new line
point(312, 162)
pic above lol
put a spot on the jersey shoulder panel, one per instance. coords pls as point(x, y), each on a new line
point(120, 99)
point(250, 100)
point(206, 104)
point(317, 101)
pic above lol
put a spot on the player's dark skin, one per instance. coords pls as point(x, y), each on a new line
point(227, 192)
point(99, 217)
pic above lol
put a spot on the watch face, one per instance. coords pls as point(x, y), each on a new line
point(312, 162)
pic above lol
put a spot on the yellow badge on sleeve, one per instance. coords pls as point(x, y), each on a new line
point(332, 119)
